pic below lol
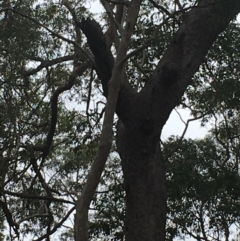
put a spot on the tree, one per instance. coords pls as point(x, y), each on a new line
point(144, 57)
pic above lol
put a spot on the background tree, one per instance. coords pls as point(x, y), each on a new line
point(146, 57)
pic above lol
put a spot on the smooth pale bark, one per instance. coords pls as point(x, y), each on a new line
point(143, 115)
point(113, 86)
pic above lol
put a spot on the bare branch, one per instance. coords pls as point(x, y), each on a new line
point(184, 132)
point(46, 63)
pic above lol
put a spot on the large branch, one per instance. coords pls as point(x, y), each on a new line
point(45, 148)
point(116, 78)
point(54, 102)
point(102, 53)
point(104, 63)
point(185, 54)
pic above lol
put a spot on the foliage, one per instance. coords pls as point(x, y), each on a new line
point(203, 184)
point(50, 125)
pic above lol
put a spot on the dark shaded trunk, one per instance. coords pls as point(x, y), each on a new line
point(144, 177)
point(144, 114)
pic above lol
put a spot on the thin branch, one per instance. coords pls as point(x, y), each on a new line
point(187, 124)
point(9, 217)
point(110, 14)
point(126, 3)
point(180, 116)
point(184, 132)
point(46, 63)
point(192, 235)
point(89, 95)
point(159, 7)
point(111, 34)
point(52, 32)
point(69, 8)
point(54, 110)
point(146, 44)
point(170, 15)
point(77, 30)
point(201, 220)
point(54, 100)
point(57, 226)
point(114, 84)
point(29, 196)
point(38, 215)
point(225, 146)
point(45, 186)
point(177, 2)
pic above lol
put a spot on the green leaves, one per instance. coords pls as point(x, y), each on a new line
point(43, 177)
point(203, 187)
point(216, 88)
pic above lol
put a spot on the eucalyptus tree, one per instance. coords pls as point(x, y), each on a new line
point(142, 57)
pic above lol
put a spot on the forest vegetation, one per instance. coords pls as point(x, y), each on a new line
point(84, 97)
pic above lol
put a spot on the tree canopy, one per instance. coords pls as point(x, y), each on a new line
point(84, 97)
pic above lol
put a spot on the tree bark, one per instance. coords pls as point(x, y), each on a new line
point(144, 179)
point(116, 74)
point(148, 111)
point(144, 114)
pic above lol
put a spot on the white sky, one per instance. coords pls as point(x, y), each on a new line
point(175, 126)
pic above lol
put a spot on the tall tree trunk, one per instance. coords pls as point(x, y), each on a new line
point(144, 114)
point(144, 177)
